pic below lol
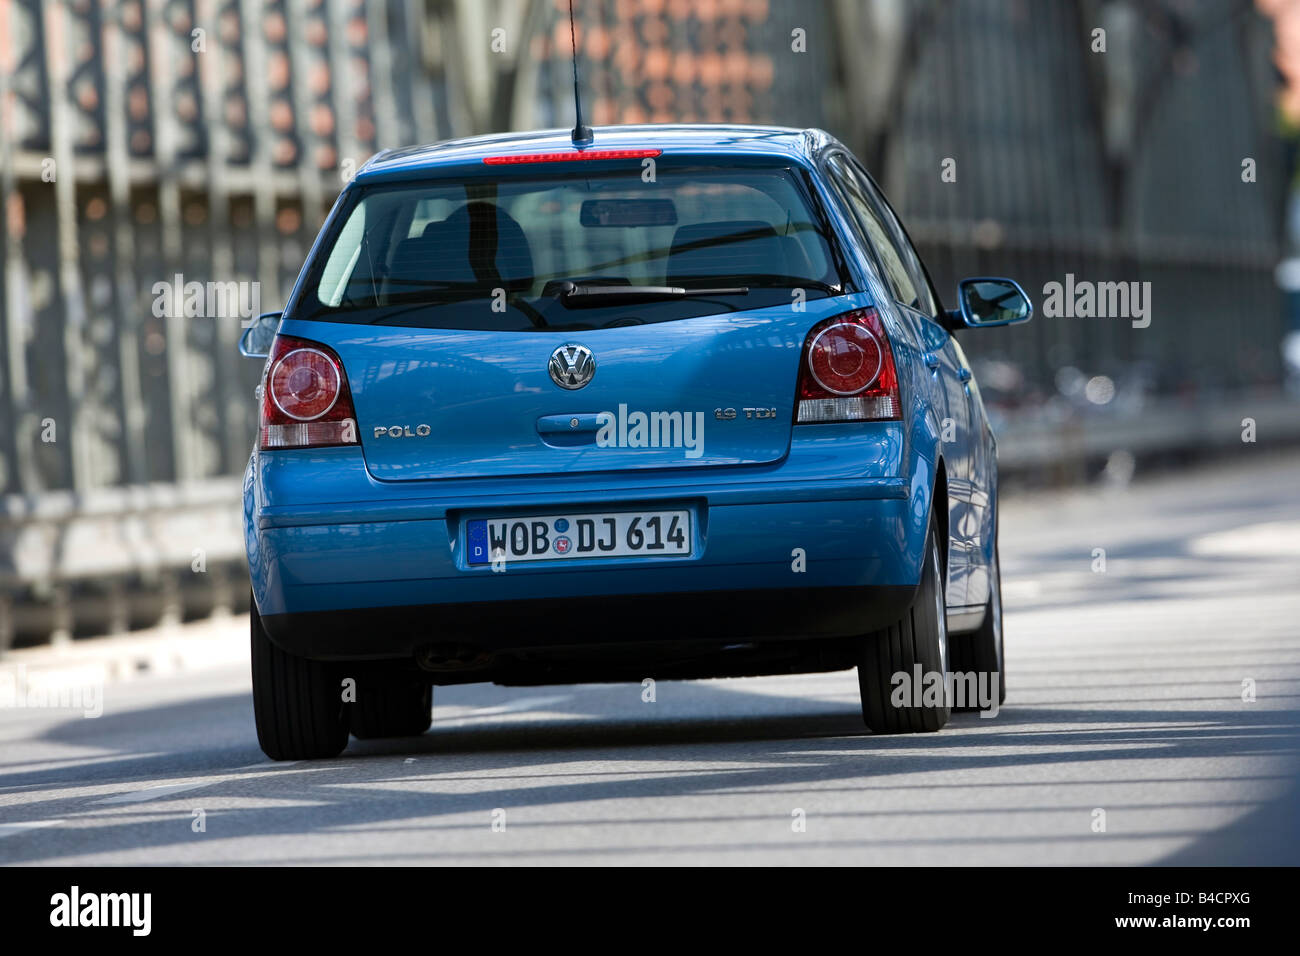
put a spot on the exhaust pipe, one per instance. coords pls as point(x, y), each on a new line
point(442, 658)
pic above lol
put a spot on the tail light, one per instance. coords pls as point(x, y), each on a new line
point(305, 398)
point(847, 372)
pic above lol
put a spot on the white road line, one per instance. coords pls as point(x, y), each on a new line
point(1275, 539)
point(153, 793)
point(12, 829)
point(523, 703)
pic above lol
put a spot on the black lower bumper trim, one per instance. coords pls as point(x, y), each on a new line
point(774, 614)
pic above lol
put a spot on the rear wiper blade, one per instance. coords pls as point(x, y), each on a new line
point(576, 296)
point(793, 282)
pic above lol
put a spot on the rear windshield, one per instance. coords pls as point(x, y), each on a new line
point(572, 251)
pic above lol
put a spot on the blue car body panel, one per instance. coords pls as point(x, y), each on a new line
point(347, 528)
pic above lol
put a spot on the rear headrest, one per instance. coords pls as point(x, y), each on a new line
point(731, 247)
point(479, 244)
point(498, 250)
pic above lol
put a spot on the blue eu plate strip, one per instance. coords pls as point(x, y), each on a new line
point(476, 542)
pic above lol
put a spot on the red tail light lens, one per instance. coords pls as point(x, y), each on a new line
point(305, 398)
point(847, 372)
point(305, 384)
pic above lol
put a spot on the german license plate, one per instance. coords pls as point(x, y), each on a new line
point(621, 534)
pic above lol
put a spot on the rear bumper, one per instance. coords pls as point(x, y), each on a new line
point(778, 554)
point(711, 619)
point(359, 564)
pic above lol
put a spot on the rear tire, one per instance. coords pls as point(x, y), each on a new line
point(919, 637)
point(397, 707)
point(981, 651)
point(297, 703)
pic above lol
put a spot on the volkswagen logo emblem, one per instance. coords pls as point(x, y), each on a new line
point(572, 366)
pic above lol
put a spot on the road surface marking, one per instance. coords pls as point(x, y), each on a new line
point(1274, 539)
point(12, 829)
point(153, 793)
point(523, 703)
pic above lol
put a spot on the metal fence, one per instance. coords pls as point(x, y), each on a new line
point(1123, 166)
point(150, 145)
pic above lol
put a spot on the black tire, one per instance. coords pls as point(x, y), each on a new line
point(391, 707)
point(981, 651)
point(297, 703)
point(919, 637)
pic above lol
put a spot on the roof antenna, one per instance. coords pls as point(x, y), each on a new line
point(582, 135)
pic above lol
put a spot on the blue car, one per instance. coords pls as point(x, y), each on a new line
point(680, 403)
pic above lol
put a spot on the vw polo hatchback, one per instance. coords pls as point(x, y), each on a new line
point(683, 403)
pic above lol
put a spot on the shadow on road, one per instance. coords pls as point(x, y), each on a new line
point(814, 745)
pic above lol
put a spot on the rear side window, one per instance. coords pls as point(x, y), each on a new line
point(500, 254)
point(928, 301)
point(877, 234)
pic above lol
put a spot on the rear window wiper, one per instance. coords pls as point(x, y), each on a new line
point(577, 296)
point(794, 282)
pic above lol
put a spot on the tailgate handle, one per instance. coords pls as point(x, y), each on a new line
point(568, 424)
point(568, 430)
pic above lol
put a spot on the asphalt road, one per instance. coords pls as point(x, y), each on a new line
point(1125, 695)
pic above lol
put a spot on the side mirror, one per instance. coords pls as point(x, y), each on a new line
point(257, 338)
point(986, 302)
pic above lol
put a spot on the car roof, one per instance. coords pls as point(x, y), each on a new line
point(677, 139)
